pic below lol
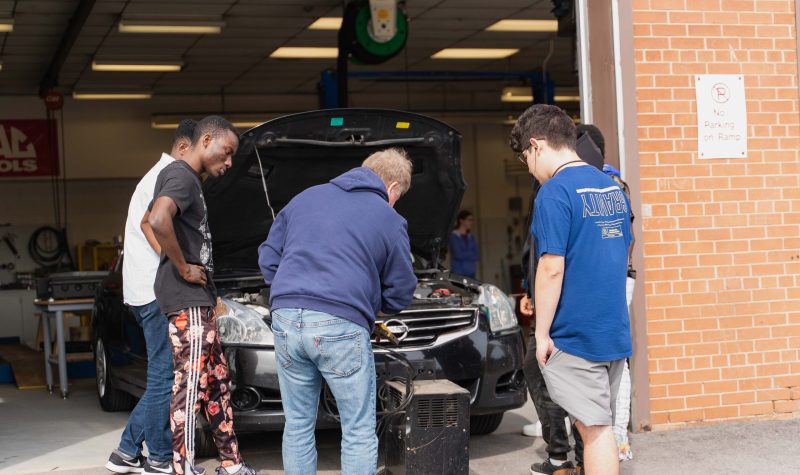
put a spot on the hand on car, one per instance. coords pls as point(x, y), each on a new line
point(221, 308)
point(194, 274)
point(526, 306)
point(544, 348)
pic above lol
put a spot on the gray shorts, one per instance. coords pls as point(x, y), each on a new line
point(587, 390)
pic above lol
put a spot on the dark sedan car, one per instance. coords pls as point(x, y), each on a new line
point(456, 328)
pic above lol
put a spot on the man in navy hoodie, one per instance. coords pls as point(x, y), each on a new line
point(336, 256)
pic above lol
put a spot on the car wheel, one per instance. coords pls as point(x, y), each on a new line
point(111, 398)
point(204, 445)
point(486, 424)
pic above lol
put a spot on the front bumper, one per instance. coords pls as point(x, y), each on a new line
point(489, 366)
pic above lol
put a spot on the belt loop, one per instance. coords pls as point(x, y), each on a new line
point(300, 318)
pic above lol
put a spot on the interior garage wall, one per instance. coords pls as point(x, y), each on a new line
point(721, 237)
point(110, 145)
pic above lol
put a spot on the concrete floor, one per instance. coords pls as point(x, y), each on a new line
point(41, 433)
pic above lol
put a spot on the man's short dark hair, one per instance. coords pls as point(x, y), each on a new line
point(595, 134)
point(546, 122)
point(212, 124)
point(185, 130)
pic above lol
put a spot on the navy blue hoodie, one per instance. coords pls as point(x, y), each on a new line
point(339, 248)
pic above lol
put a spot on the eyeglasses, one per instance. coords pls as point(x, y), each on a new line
point(521, 155)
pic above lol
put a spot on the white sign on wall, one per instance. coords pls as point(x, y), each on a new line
point(721, 116)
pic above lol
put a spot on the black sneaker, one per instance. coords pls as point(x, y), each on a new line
point(547, 468)
point(243, 470)
point(119, 463)
point(152, 467)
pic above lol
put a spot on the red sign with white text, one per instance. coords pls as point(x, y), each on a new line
point(28, 148)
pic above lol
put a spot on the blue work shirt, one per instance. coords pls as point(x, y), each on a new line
point(465, 254)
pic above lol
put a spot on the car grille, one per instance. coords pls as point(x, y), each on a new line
point(430, 326)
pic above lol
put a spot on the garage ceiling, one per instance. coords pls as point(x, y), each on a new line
point(236, 61)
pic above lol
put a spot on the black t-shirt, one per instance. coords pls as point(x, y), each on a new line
point(179, 182)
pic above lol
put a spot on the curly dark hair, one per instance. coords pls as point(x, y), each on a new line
point(184, 131)
point(542, 121)
point(595, 134)
point(212, 124)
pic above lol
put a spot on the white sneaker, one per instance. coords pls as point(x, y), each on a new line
point(532, 430)
point(535, 430)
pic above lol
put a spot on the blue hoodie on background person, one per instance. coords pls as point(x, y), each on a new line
point(342, 250)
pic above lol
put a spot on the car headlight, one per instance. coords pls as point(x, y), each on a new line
point(244, 325)
point(499, 308)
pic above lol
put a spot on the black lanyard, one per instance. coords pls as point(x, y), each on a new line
point(564, 165)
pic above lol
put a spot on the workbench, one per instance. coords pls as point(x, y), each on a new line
point(57, 308)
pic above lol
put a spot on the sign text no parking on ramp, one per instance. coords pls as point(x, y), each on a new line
point(721, 116)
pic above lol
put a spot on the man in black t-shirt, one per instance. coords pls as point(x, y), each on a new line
point(185, 292)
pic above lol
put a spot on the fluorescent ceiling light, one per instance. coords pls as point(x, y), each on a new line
point(174, 125)
point(304, 52)
point(171, 27)
point(102, 95)
point(475, 53)
point(240, 121)
point(135, 66)
point(525, 25)
point(326, 23)
point(516, 94)
point(6, 25)
point(566, 98)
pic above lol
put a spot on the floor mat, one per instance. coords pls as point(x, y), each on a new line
point(27, 365)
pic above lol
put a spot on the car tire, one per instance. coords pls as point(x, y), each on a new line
point(111, 399)
point(204, 445)
point(485, 424)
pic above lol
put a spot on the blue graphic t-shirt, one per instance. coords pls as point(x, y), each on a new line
point(583, 215)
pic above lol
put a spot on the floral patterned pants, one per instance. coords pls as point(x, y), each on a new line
point(201, 379)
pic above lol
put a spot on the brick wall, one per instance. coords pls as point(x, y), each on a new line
point(721, 237)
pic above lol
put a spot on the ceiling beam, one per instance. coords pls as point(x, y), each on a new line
point(74, 27)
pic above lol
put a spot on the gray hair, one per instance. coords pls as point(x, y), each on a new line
point(391, 164)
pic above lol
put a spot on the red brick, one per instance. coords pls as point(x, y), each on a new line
point(741, 397)
point(667, 404)
point(683, 416)
point(724, 412)
point(703, 401)
point(674, 390)
point(772, 395)
point(755, 409)
point(787, 406)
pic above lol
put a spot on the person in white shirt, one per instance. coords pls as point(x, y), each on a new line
point(149, 420)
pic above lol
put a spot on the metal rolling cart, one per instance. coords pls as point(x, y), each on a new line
point(57, 308)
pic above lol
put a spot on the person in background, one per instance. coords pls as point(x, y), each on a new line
point(624, 398)
point(149, 420)
point(463, 246)
point(596, 140)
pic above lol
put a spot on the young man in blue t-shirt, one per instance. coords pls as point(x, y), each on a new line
point(581, 231)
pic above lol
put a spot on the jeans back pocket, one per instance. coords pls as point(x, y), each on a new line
point(282, 348)
point(341, 355)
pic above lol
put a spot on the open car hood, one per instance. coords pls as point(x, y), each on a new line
point(302, 150)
